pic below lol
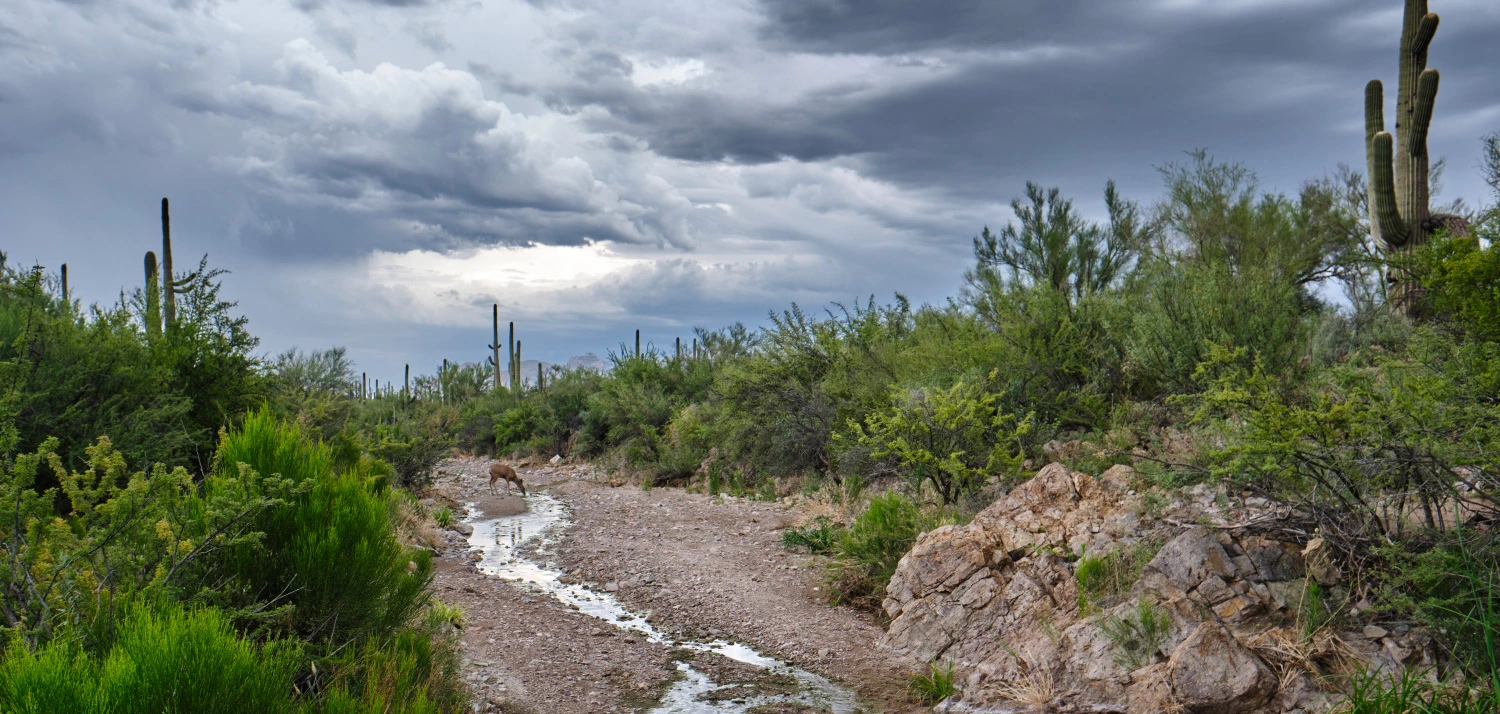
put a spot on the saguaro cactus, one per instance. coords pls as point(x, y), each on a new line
point(517, 370)
point(153, 297)
point(637, 344)
point(494, 345)
point(65, 283)
point(512, 372)
point(171, 284)
point(1399, 183)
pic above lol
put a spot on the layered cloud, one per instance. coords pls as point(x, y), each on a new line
point(379, 172)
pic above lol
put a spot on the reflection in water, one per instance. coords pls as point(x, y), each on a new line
point(498, 539)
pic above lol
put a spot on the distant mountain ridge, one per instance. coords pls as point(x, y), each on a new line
point(588, 361)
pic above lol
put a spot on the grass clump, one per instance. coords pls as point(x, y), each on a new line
point(935, 684)
point(443, 516)
point(819, 537)
point(1104, 579)
point(1414, 692)
point(1137, 635)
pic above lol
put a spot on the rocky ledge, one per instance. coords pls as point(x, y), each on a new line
point(1211, 625)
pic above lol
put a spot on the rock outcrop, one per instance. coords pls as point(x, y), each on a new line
point(999, 598)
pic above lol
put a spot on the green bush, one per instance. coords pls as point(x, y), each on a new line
point(865, 555)
point(166, 662)
point(1453, 586)
point(951, 439)
point(148, 534)
point(160, 400)
point(331, 554)
point(1461, 282)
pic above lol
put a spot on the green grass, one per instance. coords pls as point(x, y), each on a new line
point(1414, 693)
point(1137, 635)
point(1103, 580)
point(443, 516)
point(934, 685)
point(819, 537)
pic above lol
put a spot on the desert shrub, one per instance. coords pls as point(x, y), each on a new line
point(1235, 268)
point(631, 409)
point(1367, 451)
point(149, 534)
point(168, 661)
point(865, 555)
point(331, 554)
point(1183, 310)
point(314, 389)
point(160, 399)
point(1060, 358)
point(1453, 587)
point(1389, 457)
point(1461, 283)
point(544, 421)
point(951, 439)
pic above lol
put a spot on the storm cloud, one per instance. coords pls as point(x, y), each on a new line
point(377, 172)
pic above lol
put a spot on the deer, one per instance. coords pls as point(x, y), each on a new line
point(501, 471)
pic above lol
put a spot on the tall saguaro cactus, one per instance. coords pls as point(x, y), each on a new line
point(1400, 183)
point(513, 372)
point(65, 283)
point(170, 283)
point(495, 346)
point(153, 297)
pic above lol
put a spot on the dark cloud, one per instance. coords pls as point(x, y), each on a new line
point(819, 150)
point(898, 26)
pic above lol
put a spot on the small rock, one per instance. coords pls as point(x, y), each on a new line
point(556, 459)
point(611, 587)
point(1375, 632)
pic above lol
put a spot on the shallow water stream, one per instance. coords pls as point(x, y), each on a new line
point(499, 539)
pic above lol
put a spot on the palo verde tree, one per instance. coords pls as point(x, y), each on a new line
point(1054, 247)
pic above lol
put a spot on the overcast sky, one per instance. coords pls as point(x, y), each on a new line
point(376, 173)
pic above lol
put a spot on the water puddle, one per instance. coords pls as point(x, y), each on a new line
point(498, 540)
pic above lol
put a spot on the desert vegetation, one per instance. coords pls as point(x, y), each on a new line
point(173, 496)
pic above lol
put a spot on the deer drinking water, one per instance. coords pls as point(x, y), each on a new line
point(501, 471)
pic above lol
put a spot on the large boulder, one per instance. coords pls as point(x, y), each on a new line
point(1212, 673)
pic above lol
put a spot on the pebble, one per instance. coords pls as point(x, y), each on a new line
point(1375, 632)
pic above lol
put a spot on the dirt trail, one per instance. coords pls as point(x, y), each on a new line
point(693, 565)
